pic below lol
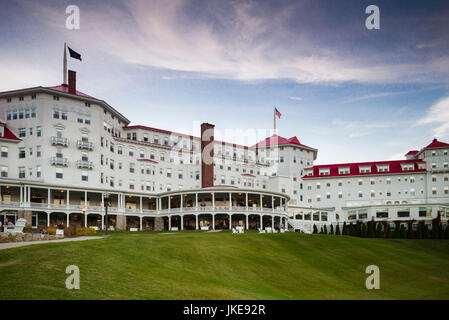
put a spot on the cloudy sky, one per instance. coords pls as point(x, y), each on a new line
point(355, 94)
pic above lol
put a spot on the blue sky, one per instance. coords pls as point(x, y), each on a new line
point(355, 94)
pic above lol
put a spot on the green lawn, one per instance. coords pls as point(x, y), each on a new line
point(200, 265)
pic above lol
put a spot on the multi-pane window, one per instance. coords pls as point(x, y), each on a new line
point(21, 172)
point(131, 167)
point(64, 115)
point(38, 171)
point(22, 132)
point(4, 152)
point(38, 131)
point(79, 119)
point(22, 153)
point(119, 150)
point(55, 114)
point(84, 176)
point(4, 172)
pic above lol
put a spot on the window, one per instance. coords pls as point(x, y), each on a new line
point(79, 119)
point(27, 113)
point(87, 120)
point(168, 173)
point(425, 212)
point(8, 100)
point(4, 172)
point(38, 131)
point(403, 213)
point(156, 138)
point(145, 137)
point(111, 181)
point(21, 153)
point(84, 156)
point(4, 152)
point(180, 174)
point(38, 171)
point(55, 114)
point(64, 115)
point(9, 115)
point(131, 167)
point(119, 150)
point(56, 98)
point(33, 113)
point(84, 176)
point(21, 172)
point(131, 152)
point(31, 131)
point(382, 213)
point(31, 152)
point(22, 132)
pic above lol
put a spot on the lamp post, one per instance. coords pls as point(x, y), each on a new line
point(106, 204)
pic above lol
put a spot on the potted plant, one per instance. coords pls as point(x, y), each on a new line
point(60, 229)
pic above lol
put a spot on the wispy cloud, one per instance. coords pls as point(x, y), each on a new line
point(295, 98)
point(438, 116)
point(358, 129)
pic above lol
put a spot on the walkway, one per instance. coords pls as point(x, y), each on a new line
point(9, 245)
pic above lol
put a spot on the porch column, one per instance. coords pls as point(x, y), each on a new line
point(213, 201)
point(169, 204)
point(196, 223)
point(261, 221)
point(246, 226)
point(261, 203)
point(169, 223)
point(68, 199)
point(141, 220)
point(21, 195)
point(230, 200)
point(196, 201)
point(272, 222)
point(182, 200)
point(182, 222)
point(246, 201)
point(85, 219)
point(48, 197)
point(213, 221)
point(272, 204)
point(102, 200)
point(48, 219)
point(230, 221)
point(68, 220)
point(141, 210)
point(102, 222)
point(85, 199)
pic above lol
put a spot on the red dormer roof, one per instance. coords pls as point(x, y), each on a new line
point(65, 89)
point(147, 160)
point(276, 140)
point(436, 144)
point(394, 167)
point(411, 152)
point(8, 134)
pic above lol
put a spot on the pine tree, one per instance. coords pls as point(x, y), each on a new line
point(419, 233)
point(351, 229)
point(345, 229)
point(402, 232)
point(410, 233)
point(358, 229)
point(446, 232)
point(388, 233)
point(425, 234)
point(315, 229)
point(331, 232)
point(363, 232)
point(337, 230)
point(379, 230)
point(325, 230)
point(440, 231)
point(371, 233)
point(396, 233)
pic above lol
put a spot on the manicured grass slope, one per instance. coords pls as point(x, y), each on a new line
point(198, 265)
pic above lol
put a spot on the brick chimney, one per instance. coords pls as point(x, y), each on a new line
point(72, 82)
point(207, 155)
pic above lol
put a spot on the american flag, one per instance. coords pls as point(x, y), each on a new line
point(276, 112)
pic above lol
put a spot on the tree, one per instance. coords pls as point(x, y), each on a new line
point(337, 230)
point(446, 232)
point(410, 233)
point(388, 233)
point(315, 229)
point(358, 229)
point(396, 233)
point(379, 230)
point(331, 232)
point(419, 233)
point(425, 234)
point(371, 233)
point(363, 232)
point(345, 229)
point(402, 232)
point(351, 229)
point(324, 229)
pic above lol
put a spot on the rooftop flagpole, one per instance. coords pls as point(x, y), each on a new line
point(274, 120)
point(64, 63)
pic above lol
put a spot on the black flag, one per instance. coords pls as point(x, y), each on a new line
point(74, 54)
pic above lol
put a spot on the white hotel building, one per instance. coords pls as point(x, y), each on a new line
point(63, 153)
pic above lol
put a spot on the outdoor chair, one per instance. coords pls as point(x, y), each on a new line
point(261, 230)
point(18, 228)
point(234, 231)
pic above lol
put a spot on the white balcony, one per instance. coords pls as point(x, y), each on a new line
point(56, 161)
point(81, 164)
point(58, 141)
point(85, 145)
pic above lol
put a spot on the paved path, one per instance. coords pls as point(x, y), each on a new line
point(8, 245)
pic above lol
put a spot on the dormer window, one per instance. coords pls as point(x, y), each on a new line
point(383, 168)
point(365, 169)
point(324, 172)
point(344, 170)
point(407, 167)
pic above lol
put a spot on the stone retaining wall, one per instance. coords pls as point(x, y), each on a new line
point(20, 237)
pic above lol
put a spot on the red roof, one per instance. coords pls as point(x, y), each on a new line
point(436, 144)
point(411, 152)
point(8, 134)
point(65, 89)
point(247, 174)
point(395, 167)
point(156, 129)
point(276, 140)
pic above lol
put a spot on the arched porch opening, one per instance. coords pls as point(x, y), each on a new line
point(221, 221)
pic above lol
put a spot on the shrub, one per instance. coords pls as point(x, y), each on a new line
point(379, 230)
point(402, 232)
point(345, 229)
point(371, 232)
point(388, 233)
point(315, 229)
point(85, 231)
point(363, 232)
point(397, 231)
point(446, 232)
point(332, 230)
point(51, 231)
point(425, 234)
point(324, 230)
point(337, 230)
point(419, 233)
